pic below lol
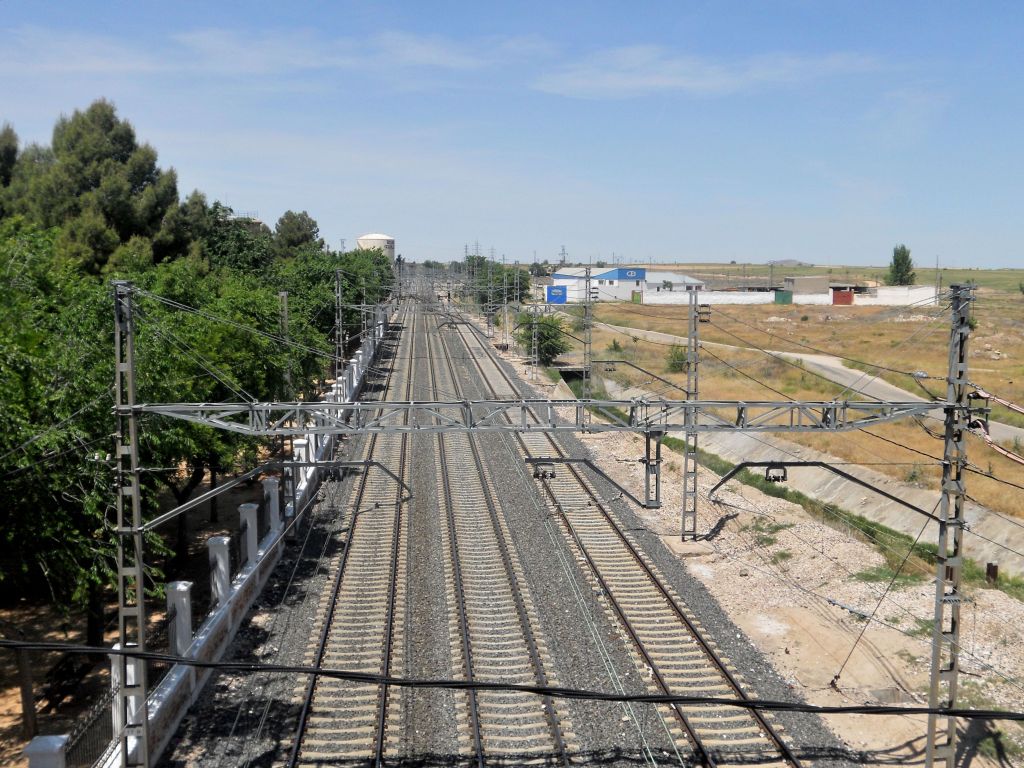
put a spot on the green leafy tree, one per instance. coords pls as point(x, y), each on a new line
point(99, 184)
point(236, 243)
point(8, 154)
point(95, 205)
point(295, 231)
point(551, 338)
point(901, 268)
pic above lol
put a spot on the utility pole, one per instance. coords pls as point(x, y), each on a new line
point(587, 333)
point(489, 309)
point(362, 311)
point(283, 324)
point(536, 339)
point(946, 633)
point(689, 517)
point(339, 333)
point(132, 709)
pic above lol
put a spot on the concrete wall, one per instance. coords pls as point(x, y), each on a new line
point(731, 297)
point(896, 296)
point(890, 296)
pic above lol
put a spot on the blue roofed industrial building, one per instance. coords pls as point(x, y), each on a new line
point(568, 284)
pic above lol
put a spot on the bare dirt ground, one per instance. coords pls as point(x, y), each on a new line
point(791, 584)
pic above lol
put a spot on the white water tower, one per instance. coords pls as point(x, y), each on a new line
point(376, 240)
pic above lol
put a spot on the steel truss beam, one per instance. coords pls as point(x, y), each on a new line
point(535, 415)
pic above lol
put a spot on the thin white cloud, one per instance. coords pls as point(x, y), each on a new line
point(34, 50)
point(215, 51)
point(641, 70)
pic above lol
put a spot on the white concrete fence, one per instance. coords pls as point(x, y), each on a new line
point(231, 596)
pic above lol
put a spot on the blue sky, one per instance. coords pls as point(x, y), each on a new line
point(690, 131)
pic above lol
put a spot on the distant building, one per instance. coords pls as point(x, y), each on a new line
point(615, 284)
point(385, 243)
point(660, 281)
point(807, 284)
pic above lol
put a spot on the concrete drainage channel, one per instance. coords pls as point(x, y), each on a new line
point(827, 488)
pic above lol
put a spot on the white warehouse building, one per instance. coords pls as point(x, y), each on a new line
point(386, 243)
point(670, 282)
point(569, 284)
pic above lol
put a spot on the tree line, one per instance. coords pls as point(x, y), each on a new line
point(92, 206)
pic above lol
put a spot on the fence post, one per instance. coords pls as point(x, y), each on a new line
point(300, 452)
point(179, 605)
point(248, 514)
point(220, 568)
point(273, 502)
point(46, 752)
point(29, 727)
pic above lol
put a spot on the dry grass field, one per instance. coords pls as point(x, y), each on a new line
point(897, 338)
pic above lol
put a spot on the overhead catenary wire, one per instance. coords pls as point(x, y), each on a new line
point(206, 365)
point(800, 588)
point(238, 326)
point(578, 694)
point(53, 427)
point(895, 575)
point(719, 311)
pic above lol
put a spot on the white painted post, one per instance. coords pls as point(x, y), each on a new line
point(46, 752)
point(220, 568)
point(248, 515)
point(179, 601)
point(134, 701)
point(273, 502)
point(300, 452)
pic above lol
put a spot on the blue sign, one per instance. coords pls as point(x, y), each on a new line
point(556, 294)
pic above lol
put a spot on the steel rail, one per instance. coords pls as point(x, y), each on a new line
point(335, 590)
point(709, 652)
point(702, 752)
point(460, 593)
point(533, 649)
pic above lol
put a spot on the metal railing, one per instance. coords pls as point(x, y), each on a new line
point(93, 735)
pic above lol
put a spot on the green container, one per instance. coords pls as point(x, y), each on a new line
point(783, 297)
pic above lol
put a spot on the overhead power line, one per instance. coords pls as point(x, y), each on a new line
point(579, 694)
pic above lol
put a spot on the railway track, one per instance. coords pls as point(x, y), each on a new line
point(494, 632)
point(494, 626)
point(343, 722)
point(669, 645)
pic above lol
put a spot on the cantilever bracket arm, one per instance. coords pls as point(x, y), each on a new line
point(591, 465)
point(156, 522)
point(845, 475)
